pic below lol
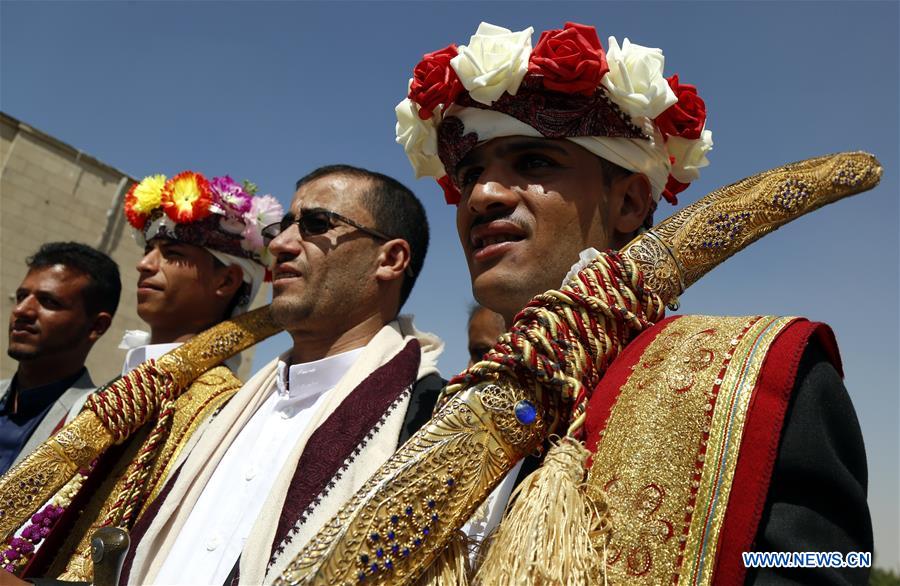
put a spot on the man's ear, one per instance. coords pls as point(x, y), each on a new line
point(99, 325)
point(229, 280)
point(393, 260)
point(632, 202)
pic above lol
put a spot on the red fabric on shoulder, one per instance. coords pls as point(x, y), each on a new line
point(607, 391)
point(759, 445)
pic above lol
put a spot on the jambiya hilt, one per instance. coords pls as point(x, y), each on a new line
point(403, 516)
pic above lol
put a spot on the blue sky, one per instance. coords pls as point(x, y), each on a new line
point(269, 91)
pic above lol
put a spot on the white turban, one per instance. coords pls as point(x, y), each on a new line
point(638, 155)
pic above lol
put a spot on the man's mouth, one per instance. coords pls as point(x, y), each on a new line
point(147, 286)
point(284, 272)
point(22, 329)
point(493, 238)
point(499, 239)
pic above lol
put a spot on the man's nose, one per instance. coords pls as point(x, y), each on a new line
point(286, 244)
point(149, 263)
point(492, 192)
point(26, 308)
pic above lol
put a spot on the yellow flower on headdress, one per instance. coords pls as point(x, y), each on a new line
point(186, 197)
point(143, 198)
point(148, 193)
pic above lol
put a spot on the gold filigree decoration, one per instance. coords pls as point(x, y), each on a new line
point(501, 401)
point(853, 173)
point(36, 478)
point(199, 401)
point(209, 348)
point(643, 509)
point(670, 447)
point(659, 267)
point(454, 462)
point(648, 455)
point(679, 358)
point(701, 236)
point(221, 345)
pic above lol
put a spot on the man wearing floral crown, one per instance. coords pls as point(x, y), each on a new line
point(204, 257)
point(710, 436)
point(204, 261)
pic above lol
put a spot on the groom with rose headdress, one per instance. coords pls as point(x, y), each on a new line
point(709, 436)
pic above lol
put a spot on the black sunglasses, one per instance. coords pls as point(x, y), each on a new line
point(317, 221)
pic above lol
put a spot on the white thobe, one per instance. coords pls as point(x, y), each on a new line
point(213, 536)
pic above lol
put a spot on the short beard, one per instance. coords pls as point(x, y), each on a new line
point(22, 355)
point(288, 313)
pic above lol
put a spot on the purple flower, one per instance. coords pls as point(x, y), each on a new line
point(26, 547)
point(44, 531)
point(12, 555)
point(230, 196)
point(37, 518)
point(9, 568)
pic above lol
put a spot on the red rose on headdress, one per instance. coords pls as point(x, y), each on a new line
point(673, 188)
point(687, 117)
point(435, 82)
point(451, 194)
point(571, 60)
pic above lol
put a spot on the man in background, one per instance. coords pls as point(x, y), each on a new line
point(65, 303)
point(484, 328)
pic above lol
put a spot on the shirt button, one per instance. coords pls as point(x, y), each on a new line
point(213, 543)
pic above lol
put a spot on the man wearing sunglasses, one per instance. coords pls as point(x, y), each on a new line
point(309, 428)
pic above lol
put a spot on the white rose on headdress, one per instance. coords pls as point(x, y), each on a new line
point(689, 155)
point(494, 61)
point(419, 139)
point(635, 79)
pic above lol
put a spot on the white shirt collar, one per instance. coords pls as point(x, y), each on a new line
point(313, 378)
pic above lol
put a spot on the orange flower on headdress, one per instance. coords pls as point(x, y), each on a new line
point(186, 197)
point(143, 198)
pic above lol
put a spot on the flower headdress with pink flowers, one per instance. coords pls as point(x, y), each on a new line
point(616, 104)
point(222, 216)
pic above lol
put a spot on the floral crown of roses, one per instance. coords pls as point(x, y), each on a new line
point(220, 214)
point(567, 87)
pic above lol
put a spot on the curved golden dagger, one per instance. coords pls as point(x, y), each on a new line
point(32, 482)
point(398, 522)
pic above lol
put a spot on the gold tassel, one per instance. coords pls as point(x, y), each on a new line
point(451, 567)
point(546, 535)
